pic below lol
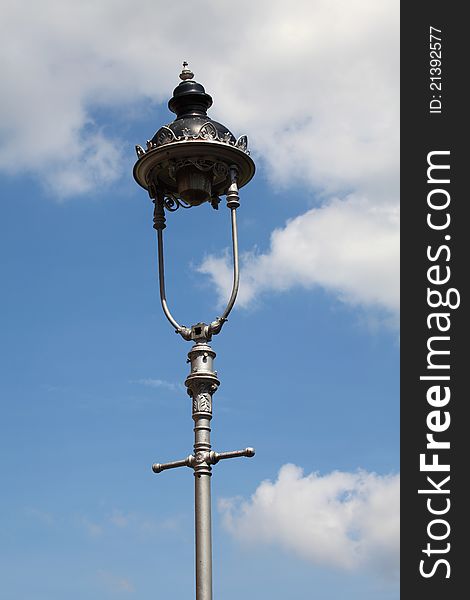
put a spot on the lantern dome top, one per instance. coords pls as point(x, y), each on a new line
point(189, 97)
point(190, 103)
point(192, 136)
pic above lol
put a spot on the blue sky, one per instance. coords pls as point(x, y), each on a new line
point(92, 373)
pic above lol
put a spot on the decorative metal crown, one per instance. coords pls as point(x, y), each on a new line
point(192, 136)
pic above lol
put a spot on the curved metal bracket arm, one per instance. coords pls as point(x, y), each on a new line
point(184, 331)
point(159, 225)
point(233, 202)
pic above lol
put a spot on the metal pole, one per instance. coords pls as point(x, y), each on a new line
point(202, 495)
point(202, 382)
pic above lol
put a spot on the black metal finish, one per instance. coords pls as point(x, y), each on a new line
point(188, 127)
point(190, 158)
point(189, 98)
point(190, 103)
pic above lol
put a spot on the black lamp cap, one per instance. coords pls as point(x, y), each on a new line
point(190, 103)
point(189, 98)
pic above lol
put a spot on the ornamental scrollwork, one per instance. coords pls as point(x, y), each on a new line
point(219, 169)
point(201, 394)
point(202, 403)
point(171, 202)
point(242, 143)
point(202, 164)
point(165, 136)
point(187, 133)
point(207, 132)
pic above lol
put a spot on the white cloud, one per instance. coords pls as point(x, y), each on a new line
point(119, 519)
point(315, 86)
point(349, 247)
point(114, 582)
point(42, 516)
point(92, 528)
point(161, 383)
point(344, 520)
point(138, 525)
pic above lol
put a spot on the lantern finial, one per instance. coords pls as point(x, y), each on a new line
point(186, 73)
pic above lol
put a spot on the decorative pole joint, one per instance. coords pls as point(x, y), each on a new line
point(216, 325)
point(202, 380)
point(159, 220)
point(233, 198)
point(202, 460)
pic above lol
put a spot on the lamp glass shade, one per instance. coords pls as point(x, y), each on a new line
point(194, 186)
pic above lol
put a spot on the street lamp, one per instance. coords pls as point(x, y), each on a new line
point(188, 162)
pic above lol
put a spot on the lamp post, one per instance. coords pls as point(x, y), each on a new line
point(191, 161)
